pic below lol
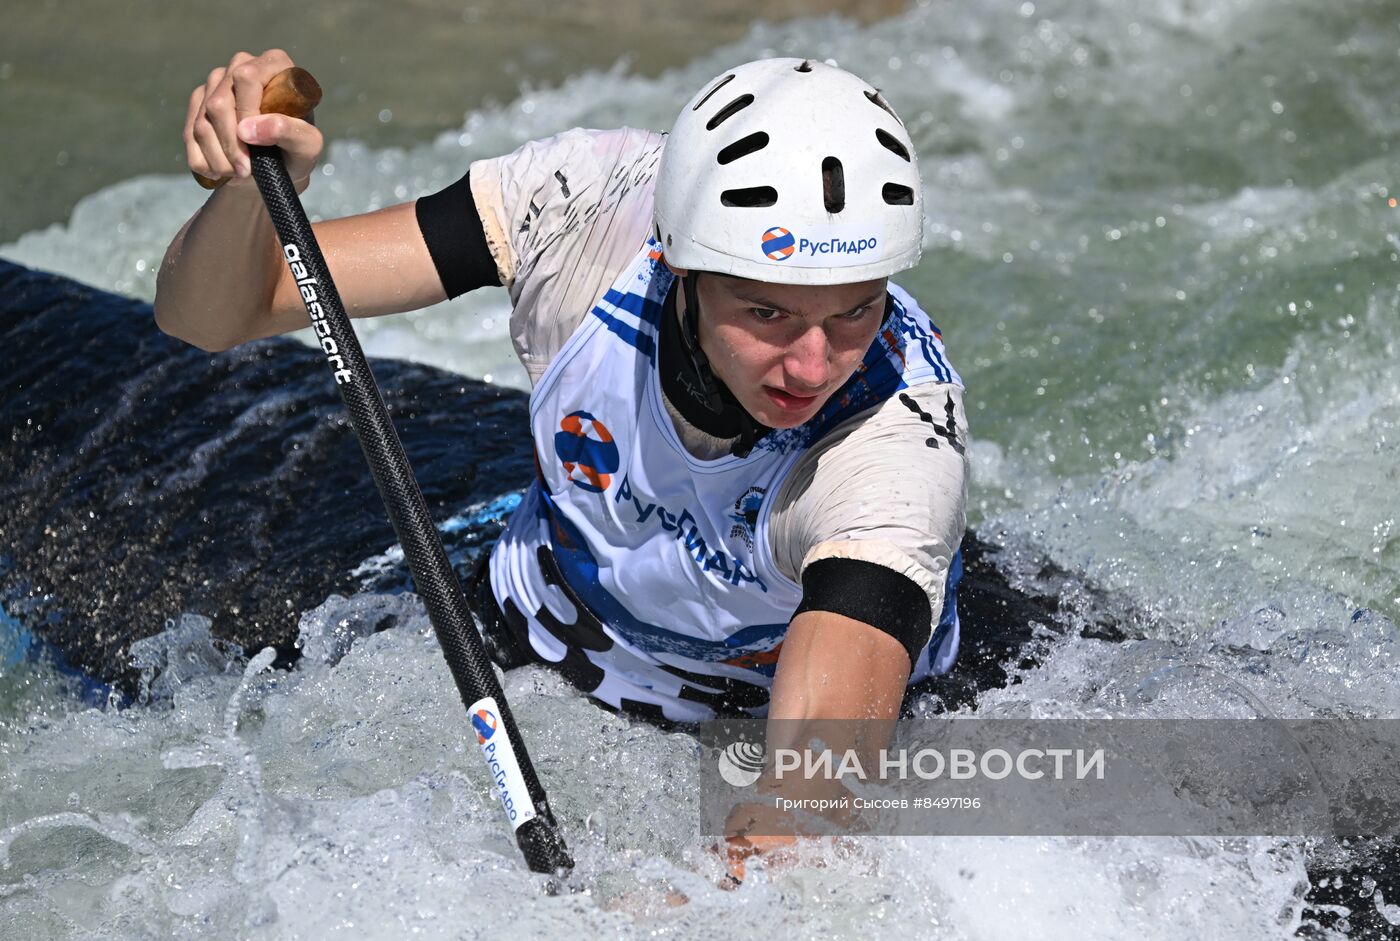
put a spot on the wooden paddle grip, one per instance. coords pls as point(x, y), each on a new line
point(293, 92)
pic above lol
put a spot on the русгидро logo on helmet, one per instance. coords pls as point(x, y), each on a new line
point(778, 243)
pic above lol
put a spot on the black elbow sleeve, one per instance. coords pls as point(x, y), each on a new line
point(456, 238)
point(871, 594)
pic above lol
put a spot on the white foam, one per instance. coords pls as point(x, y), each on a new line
point(345, 799)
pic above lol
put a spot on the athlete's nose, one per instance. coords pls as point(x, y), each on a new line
point(807, 362)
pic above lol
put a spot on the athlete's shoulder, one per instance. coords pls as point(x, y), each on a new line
point(548, 194)
point(564, 217)
point(912, 335)
point(570, 161)
point(888, 486)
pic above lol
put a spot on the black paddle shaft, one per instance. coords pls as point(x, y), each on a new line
point(539, 838)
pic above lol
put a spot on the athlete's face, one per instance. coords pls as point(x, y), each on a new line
point(783, 349)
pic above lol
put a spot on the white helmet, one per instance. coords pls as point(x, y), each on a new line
point(793, 172)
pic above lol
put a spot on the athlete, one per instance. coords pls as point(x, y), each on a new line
point(751, 446)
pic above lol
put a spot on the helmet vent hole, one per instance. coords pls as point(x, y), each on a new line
point(833, 185)
point(750, 197)
point(806, 66)
point(892, 144)
point(878, 100)
point(896, 194)
point(742, 148)
point(709, 94)
point(728, 111)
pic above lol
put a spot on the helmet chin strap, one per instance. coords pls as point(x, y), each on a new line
point(690, 336)
point(691, 385)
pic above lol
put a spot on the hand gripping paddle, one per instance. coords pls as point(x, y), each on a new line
point(294, 92)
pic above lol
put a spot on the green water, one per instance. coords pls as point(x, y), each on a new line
point(95, 91)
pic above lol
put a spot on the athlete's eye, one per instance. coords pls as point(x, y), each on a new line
point(856, 314)
point(764, 313)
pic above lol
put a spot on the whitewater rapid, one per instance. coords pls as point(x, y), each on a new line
point(1160, 246)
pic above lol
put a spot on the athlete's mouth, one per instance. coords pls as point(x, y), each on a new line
point(789, 402)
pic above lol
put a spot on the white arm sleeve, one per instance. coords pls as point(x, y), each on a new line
point(562, 217)
point(885, 487)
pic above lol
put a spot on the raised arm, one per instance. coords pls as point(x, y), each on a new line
point(223, 281)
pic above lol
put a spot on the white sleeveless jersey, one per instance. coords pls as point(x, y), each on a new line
point(645, 573)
